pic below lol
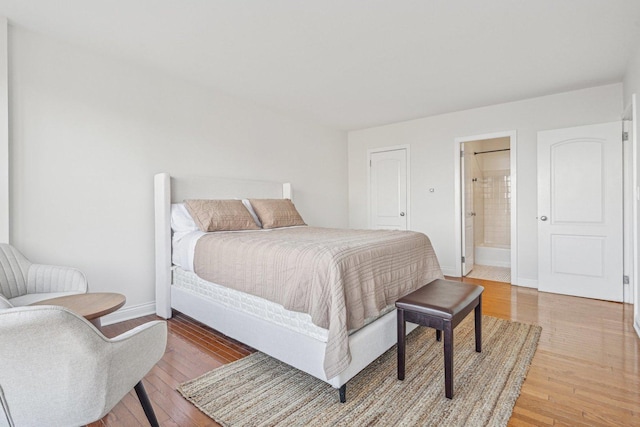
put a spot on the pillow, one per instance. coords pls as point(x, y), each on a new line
point(181, 221)
point(4, 303)
point(275, 213)
point(220, 215)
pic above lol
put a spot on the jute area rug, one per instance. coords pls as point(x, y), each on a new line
point(261, 391)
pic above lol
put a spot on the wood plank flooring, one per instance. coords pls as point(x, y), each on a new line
point(586, 371)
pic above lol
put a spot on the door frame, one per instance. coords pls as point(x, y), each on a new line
point(631, 114)
point(630, 205)
point(371, 151)
point(457, 189)
point(464, 180)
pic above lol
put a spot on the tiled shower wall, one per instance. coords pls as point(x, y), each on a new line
point(496, 191)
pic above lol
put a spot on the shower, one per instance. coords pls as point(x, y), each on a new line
point(489, 167)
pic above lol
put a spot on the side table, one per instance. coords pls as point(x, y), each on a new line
point(91, 306)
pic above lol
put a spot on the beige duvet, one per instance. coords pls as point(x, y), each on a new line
point(339, 277)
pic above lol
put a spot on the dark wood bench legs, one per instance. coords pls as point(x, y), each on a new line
point(478, 320)
point(448, 360)
point(402, 336)
point(443, 326)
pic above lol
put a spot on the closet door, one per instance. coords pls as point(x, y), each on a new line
point(388, 189)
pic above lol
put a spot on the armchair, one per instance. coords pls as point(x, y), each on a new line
point(23, 283)
point(57, 369)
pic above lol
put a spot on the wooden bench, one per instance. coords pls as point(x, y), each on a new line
point(441, 304)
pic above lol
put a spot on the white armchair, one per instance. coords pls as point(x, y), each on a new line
point(57, 369)
point(23, 283)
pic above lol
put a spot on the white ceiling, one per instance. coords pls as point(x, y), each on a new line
point(351, 64)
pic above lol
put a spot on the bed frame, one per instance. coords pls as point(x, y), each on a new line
point(298, 350)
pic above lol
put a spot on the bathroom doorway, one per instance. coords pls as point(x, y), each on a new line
point(487, 206)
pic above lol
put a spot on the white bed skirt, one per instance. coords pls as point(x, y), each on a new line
point(296, 349)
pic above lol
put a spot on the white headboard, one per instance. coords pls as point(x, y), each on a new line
point(169, 189)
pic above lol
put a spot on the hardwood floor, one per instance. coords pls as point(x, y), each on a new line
point(586, 371)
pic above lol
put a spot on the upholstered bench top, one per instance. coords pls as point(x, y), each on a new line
point(441, 298)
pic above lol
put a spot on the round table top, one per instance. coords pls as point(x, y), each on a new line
point(90, 305)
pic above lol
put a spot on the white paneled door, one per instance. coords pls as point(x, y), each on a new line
point(580, 211)
point(388, 189)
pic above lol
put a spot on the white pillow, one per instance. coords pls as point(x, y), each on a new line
point(4, 303)
point(181, 221)
point(247, 204)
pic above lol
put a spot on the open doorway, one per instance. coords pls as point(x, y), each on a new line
point(486, 195)
point(487, 209)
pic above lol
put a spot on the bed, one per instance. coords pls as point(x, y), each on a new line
point(287, 335)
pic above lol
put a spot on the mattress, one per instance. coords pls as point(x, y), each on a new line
point(255, 306)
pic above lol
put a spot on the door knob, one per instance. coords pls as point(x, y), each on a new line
point(543, 218)
point(401, 213)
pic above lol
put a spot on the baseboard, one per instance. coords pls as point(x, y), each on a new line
point(527, 283)
point(128, 313)
point(636, 325)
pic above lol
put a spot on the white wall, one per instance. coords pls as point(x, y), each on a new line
point(432, 162)
point(4, 131)
point(88, 133)
point(631, 80)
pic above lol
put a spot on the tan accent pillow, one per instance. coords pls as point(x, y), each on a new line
point(275, 213)
point(220, 215)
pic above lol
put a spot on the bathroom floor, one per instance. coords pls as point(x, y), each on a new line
point(489, 272)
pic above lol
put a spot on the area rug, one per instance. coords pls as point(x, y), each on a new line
point(261, 391)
